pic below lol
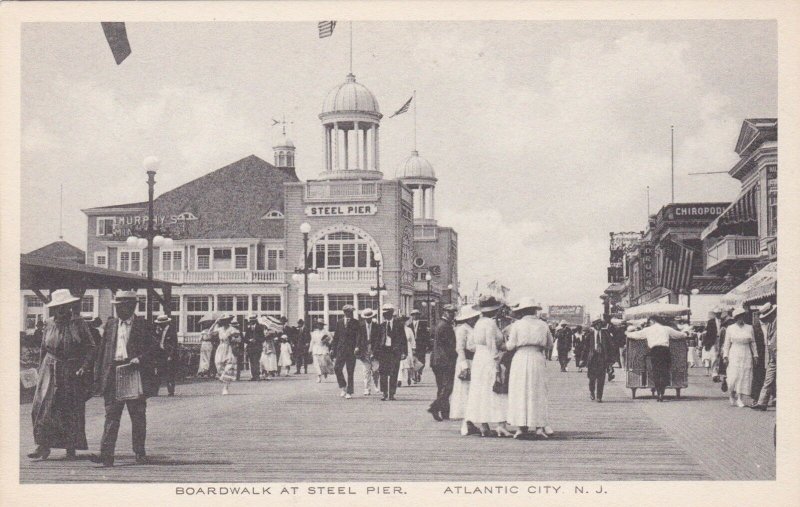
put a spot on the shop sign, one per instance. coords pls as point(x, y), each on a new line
point(337, 210)
point(573, 314)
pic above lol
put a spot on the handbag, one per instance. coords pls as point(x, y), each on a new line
point(499, 386)
point(465, 375)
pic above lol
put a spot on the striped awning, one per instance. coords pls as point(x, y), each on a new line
point(743, 210)
point(760, 285)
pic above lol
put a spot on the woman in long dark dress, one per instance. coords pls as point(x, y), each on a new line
point(65, 380)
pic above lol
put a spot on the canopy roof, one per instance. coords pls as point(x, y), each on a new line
point(656, 310)
point(761, 285)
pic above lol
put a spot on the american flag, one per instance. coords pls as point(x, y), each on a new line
point(273, 324)
point(676, 266)
point(403, 108)
point(326, 28)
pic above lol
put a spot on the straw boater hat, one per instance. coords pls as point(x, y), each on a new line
point(387, 307)
point(738, 311)
point(124, 296)
point(61, 297)
point(252, 317)
point(766, 310)
point(225, 317)
point(414, 312)
point(163, 319)
point(348, 308)
point(562, 323)
point(467, 312)
point(527, 302)
point(488, 304)
point(367, 313)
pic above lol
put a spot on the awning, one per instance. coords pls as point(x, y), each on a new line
point(741, 211)
point(761, 285)
point(615, 287)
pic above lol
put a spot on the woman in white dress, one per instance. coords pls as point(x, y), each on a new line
point(206, 348)
point(740, 354)
point(286, 355)
point(269, 358)
point(320, 351)
point(484, 406)
point(527, 387)
point(408, 366)
point(465, 348)
point(225, 358)
point(708, 355)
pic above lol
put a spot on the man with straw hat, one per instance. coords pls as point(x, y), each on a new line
point(768, 315)
point(168, 350)
point(127, 340)
point(344, 349)
point(443, 363)
point(390, 347)
point(368, 332)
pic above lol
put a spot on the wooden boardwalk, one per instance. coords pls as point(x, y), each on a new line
point(295, 430)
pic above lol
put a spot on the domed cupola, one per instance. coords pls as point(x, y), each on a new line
point(350, 122)
point(418, 175)
point(283, 150)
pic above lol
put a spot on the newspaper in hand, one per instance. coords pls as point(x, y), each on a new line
point(128, 382)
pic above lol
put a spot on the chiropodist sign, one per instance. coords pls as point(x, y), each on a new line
point(339, 210)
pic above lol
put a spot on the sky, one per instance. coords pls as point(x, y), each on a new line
point(544, 135)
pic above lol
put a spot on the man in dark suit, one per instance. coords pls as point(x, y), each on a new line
point(563, 344)
point(368, 332)
point(596, 357)
point(127, 339)
point(302, 338)
point(254, 341)
point(390, 348)
point(713, 328)
point(443, 363)
point(168, 352)
point(344, 349)
point(422, 339)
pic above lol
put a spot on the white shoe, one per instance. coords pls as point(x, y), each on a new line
point(367, 392)
point(347, 396)
point(548, 430)
point(224, 391)
point(342, 394)
point(740, 403)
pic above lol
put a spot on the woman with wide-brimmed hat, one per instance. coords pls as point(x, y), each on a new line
point(527, 388)
point(740, 355)
point(65, 379)
point(225, 358)
point(465, 348)
point(484, 405)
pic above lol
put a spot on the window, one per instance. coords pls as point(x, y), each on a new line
point(272, 214)
point(171, 260)
point(130, 261)
point(335, 304)
point(349, 255)
point(100, 259)
point(196, 307)
point(367, 301)
point(87, 304)
point(270, 303)
point(241, 258)
point(105, 226)
point(342, 250)
point(316, 308)
point(203, 258)
point(33, 302)
point(31, 319)
point(242, 304)
point(222, 258)
point(772, 200)
point(320, 256)
point(274, 260)
point(225, 303)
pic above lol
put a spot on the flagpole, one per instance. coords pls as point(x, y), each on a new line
point(415, 120)
point(61, 213)
point(648, 203)
point(351, 47)
point(672, 159)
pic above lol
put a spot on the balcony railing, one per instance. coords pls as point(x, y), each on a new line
point(334, 190)
point(221, 276)
point(347, 275)
point(732, 248)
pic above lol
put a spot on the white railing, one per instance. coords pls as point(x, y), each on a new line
point(347, 275)
point(221, 276)
point(732, 248)
point(333, 190)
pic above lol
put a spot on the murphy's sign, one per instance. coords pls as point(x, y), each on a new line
point(337, 210)
point(705, 211)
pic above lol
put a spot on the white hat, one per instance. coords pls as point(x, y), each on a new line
point(739, 311)
point(716, 309)
point(562, 323)
point(387, 307)
point(766, 310)
point(226, 316)
point(367, 313)
point(61, 297)
point(527, 302)
point(467, 312)
point(163, 319)
point(125, 296)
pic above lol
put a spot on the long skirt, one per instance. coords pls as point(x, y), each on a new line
point(660, 361)
point(458, 400)
point(59, 409)
point(740, 369)
point(205, 357)
point(269, 361)
point(226, 363)
point(709, 356)
point(527, 389)
point(324, 364)
point(483, 404)
point(286, 359)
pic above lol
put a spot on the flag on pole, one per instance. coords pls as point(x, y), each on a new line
point(676, 266)
point(117, 38)
point(326, 28)
point(403, 108)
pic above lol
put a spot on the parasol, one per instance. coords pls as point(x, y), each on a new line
point(209, 317)
point(656, 310)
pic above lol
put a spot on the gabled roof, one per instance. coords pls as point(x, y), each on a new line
point(61, 250)
point(756, 129)
point(230, 201)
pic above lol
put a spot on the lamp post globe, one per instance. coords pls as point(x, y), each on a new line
point(132, 241)
point(305, 227)
point(168, 242)
point(151, 164)
point(428, 277)
point(141, 243)
point(158, 241)
point(378, 257)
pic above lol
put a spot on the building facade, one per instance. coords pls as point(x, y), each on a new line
point(236, 241)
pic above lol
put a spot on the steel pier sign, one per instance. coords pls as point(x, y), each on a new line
point(338, 210)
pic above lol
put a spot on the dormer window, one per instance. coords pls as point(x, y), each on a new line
point(271, 214)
